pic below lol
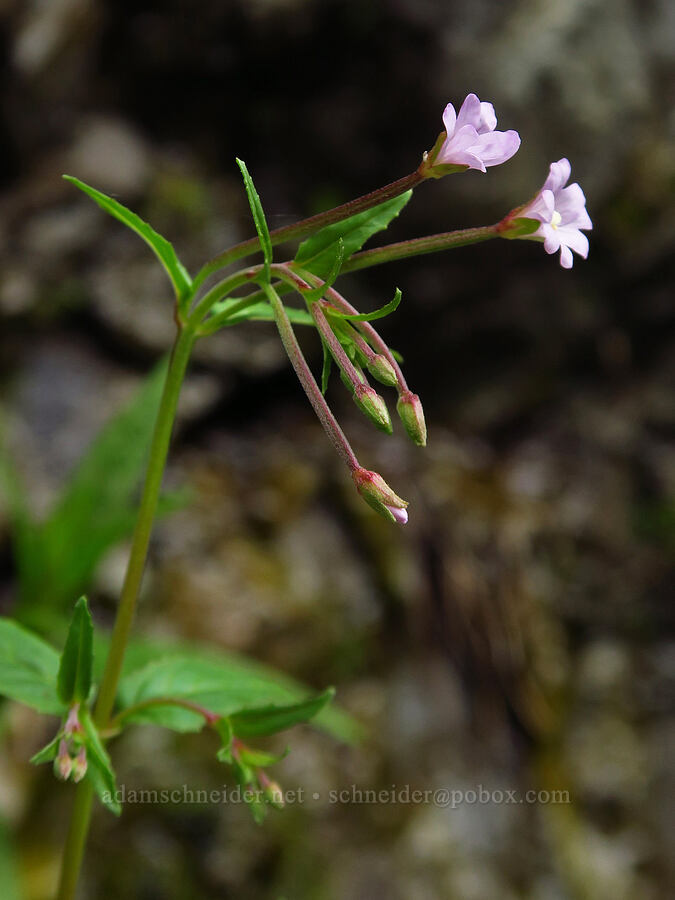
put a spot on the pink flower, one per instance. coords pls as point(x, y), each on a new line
point(562, 213)
point(471, 139)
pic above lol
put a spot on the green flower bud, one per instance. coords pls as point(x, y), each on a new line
point(409, 408)
point(370, 402)
point(380, 368)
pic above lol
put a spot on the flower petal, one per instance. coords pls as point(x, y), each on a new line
point(574, 239)
point(488, 119)
point(449, 119)
point(468, 158)
point(464, 138)
point(470, 112)
point(551, 238)
point(571, 204)
point(461, 149)
point(541, 208)
point(566, 258)
point(495, 147)
point(558, 174)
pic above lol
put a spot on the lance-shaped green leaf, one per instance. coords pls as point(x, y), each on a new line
point(258, 218)
point(163, 249)
point(28, 669)
point(74, 679)
point(270, 719)
point(48, 752)
point(318, 292)
point(258, 759)
point(318, 252)
point(369, 316)
point(99, 768)
point(224, 730)
point(224, 684)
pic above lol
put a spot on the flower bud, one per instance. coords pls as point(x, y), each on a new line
point(80, 765)
point(273, 793)
point(377, 493)
point(380, 368)
point(409, 408)
point(370, 402)
point(63, 763)
point(72, 725)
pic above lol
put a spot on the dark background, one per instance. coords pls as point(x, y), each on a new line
point(515, 634)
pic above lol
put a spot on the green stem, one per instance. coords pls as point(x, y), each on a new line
point(418, 246)
point(220, 290)
point(76, 840)
point(141, 538)
point(307, 226)
point(216, 322)
point(79, 823)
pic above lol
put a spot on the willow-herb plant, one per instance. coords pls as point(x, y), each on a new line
point(186, 692)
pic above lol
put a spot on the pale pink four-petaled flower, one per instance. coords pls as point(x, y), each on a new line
point(471, 139)
point(562, 213)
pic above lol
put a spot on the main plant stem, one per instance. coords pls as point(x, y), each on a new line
point(81, 814)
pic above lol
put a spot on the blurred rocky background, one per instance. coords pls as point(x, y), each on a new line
point(516, 634)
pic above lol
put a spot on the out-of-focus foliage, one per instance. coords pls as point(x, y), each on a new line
point(56, 557)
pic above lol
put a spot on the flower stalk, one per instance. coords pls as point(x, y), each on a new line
point(419, 246)
point(310, 387)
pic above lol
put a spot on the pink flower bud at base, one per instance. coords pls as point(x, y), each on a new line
point(380, 368)
point(377, 493)
point(409, 408)
point(80, 765)
point(370, 403)
point(72, 725)
point(63, 764)
point(273, 793)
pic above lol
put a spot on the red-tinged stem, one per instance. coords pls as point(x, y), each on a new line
point(307, 381)
point(208, 716)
